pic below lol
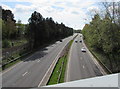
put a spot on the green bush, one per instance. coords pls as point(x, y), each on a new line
point(5, 44)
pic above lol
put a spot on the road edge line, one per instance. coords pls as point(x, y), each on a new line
point(53, 64)
point(94, 60)
point(10, 68)
point(68, 63)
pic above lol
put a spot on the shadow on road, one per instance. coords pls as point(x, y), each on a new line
point(40, 53)
point(37, 55)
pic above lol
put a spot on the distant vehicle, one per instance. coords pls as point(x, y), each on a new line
point(80, 41)
point(60, 40)
point(76, 41)
point(83, 49)
point(80, 35)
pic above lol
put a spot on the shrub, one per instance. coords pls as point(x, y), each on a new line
point(5, 44)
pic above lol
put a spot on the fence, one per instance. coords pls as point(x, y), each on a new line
point(9, 51)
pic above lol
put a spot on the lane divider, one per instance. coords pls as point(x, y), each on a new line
point(83, 66)
point(39, 60)
point(48, 73)
point(68, 63)
point(24, 74)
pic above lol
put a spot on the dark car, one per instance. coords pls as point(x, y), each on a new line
point(80, 41)
point(60, 40)
point(76, 41)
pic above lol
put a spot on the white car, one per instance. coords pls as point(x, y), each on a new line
point(83, 49)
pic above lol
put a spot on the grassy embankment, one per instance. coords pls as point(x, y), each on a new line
point(58, 74)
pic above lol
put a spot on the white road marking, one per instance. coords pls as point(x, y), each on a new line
point(83, 66)
point(24, 74)
point(94, 60)
point(81, 58)
point(38, 61)
point(68, 65)
point(3, 72)
point(51, 66)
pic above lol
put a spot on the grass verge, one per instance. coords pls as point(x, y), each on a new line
point(62, 77)
point(55, 75)
point(58, 74)
point(10, 64)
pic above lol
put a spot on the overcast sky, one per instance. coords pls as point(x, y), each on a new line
point(71, 12)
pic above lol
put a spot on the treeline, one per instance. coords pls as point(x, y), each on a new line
point(77, 31)
point(103, 35)
point(8, 24)
point(38, 32)
point(45, 30)
point(11, 30)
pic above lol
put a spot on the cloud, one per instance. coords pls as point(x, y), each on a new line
point(93, 8)
point(70, 12)
point(57, 7)
point(74, 12)
point(6, 7)
point(24, 9)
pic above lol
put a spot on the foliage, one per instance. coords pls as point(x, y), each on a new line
point(11, 30)
point(8, 24)
point(6, 44)
point(104, 35)
point(41, 30)
point(77, 31)
point(20, 29)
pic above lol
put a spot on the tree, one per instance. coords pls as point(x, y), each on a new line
point(20, 29)
point(8, 24)
point(7, 14)
point(103, 34)
point(35, 30)
point(41, 30)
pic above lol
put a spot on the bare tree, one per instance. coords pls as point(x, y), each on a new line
point(112, 10)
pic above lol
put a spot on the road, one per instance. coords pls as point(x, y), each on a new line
point(81, 65)
point(30, 72)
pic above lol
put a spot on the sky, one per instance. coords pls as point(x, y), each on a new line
point(73, 13)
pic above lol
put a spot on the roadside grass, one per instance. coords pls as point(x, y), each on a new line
point(11, 64)
point(55, 75)
point(0, 69)
point(15, 55)
point(70, 43)
point(19, 42)
point(58, 74)
point(20, 58)
point(62, 77)
point(15, 43)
